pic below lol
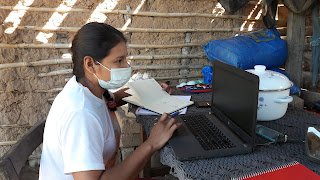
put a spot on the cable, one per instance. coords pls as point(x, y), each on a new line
point(282, 139)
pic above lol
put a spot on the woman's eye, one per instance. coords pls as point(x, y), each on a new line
point(119, 61)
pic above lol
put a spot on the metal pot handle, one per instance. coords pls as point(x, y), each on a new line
point(286, 99)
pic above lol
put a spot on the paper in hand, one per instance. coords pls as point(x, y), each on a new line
point(149, 95)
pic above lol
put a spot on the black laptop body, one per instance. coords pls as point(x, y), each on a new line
point(229, 128)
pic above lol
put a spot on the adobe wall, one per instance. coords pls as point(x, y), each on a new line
point(26, 93)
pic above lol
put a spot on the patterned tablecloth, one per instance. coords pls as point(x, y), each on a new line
point(294, 124)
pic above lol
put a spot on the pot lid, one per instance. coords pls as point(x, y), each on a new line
point(270, 80)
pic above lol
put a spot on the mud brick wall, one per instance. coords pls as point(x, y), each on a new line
point(165, 47)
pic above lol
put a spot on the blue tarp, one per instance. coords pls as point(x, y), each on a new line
point(261, 47)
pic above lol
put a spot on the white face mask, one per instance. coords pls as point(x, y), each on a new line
point(119, 77)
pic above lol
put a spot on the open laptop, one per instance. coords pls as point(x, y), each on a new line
point(229, 128)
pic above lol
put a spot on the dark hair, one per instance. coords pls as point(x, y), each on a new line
point(95, 40)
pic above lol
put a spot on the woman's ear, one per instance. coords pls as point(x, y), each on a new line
point(88, 64)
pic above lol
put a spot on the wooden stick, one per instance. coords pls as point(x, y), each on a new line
point(136, 46)
point(69, 71)
point(36, 63)
point(167, 56)
point(67, 79)
point(141, 30)
point(15, 126)
point(7, 143)
point(163, 78)
point(150, 67)
point(49, 90)
point(51, 99)
point(54, 73)
point(179, 77)
point(37, 28)
point(23, 45)
point(67, 46)
point(130, 12)
point(69, 61)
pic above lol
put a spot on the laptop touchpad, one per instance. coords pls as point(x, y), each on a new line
point(182, 131)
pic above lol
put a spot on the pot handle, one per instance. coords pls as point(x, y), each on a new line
point(286, 99)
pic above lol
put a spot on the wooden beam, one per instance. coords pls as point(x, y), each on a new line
point(133, 13)
point(36, 63)
point(138, 30)
point(67, 46)
point(130, 57)
point(7, 143)
point(310, 96)
point(295, 43)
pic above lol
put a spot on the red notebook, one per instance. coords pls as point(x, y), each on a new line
point(291, 171)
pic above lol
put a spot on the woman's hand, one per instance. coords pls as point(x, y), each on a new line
point(165, 86)
point(162, 132)
point(118, 95)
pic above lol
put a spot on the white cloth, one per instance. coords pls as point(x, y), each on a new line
point(78, 134)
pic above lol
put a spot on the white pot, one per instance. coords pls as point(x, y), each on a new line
point(274, 89)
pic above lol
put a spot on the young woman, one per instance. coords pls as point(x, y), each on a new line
point(81, 139)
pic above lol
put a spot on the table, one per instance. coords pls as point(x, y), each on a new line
point(294, 124)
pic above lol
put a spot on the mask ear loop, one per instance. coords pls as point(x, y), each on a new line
point(96, 76)
point(103, 65)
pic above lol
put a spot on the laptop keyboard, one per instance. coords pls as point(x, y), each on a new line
point(208, 135)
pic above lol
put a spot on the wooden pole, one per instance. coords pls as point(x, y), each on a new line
point(51, 99)
point(54, 73)
point(7, 143)
point(141, 30)
point(15, 126)
point(151, 67)
point(179, 77)
point(67, 46)
point(158, 46)
point(36, 63)
point(24, 45)
point(132, 13)
point(295, 42)
point(166, 56)
point(69, 71)
point(49, 90)
point(69, 61)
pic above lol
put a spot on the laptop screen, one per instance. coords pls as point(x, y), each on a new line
point(235, 94)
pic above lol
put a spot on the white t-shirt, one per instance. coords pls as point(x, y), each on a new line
point(78, 135)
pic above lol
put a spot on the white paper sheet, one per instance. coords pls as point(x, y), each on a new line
point(142, 111)
point(149, 95)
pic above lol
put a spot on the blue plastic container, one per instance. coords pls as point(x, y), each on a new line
point(262, 47)
point(207, 74)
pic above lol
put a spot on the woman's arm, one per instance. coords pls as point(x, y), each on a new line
point(126, 170)
point(132, 166)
